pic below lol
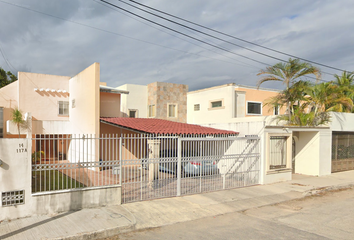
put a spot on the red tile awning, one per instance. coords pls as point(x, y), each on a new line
point(164, 127)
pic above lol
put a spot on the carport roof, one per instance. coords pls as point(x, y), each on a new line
point(164, 127)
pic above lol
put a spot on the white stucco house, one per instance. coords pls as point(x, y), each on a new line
point(285, 150)
point(226, 102)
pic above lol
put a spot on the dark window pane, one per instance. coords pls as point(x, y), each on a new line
point(216, 104)
point(254, 108)
point(132, 114)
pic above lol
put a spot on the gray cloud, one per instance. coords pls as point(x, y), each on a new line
point(316, 30)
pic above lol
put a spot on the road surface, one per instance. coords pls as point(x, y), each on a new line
point(326, 216)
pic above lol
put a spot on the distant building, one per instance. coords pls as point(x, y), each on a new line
point(159, 100)
point(223, 103)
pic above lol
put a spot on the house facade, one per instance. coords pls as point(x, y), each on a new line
point(227, 102)
point(58, 104)
point(159, 100)
point(58, 107)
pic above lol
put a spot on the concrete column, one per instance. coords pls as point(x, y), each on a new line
point(240, 104)
point(28, 119)
point(154, 155)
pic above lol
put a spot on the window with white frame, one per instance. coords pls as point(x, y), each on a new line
point(63, 108)
point(254, 108)
point(152, 111)
point(278, 152)
point(196, 107)
point(172, 110)
point(276, 110)
point(216, 104)
point(133, 113)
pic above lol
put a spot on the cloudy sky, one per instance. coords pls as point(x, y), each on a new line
point(63, 37)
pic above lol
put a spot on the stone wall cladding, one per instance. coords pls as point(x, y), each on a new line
point(161, 94)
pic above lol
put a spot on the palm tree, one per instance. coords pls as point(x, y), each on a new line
point(346, 83)
point(17, 118)
point(326, 97)
point(347, 79)
point(288, 73)
point(295, 95)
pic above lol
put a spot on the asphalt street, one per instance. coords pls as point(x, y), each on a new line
point(325, 216)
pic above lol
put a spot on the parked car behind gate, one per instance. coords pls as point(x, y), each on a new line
point(191, 165)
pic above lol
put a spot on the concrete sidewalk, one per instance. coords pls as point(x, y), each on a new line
point(104, 222)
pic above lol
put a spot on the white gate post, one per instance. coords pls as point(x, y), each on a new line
point(179, 165)
point(120, 160)
point(154, 155)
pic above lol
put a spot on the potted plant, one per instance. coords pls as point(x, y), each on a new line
point(37, 156)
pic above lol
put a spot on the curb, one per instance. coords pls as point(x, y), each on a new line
point(107, 233)
point(100, 234)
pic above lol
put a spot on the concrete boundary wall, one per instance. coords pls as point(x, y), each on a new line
point(16, 175)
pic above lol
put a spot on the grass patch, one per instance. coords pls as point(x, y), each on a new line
point(51, 180)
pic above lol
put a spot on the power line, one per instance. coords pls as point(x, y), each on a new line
point(127, 15)
point(237, 38)
point(110, 32)
point(179, 32)
point(209, 35)
point(196, 30)
point(114, 33)
point(6, 60)
point(194, 38)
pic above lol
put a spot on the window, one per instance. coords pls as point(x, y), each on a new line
point(276, 110)
point(254, 108)
point(196, 107)
point(278, 152)
point(216, 104)
point(133, 113)
point(172, 110)
point(152, 111)
point(64, 108)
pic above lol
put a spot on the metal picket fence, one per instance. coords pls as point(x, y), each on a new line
point(176, 166)
point(77, 161)
point(146, 167)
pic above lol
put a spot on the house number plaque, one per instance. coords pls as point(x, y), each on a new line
point(21, 148)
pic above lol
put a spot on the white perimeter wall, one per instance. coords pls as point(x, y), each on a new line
point(50, 127)
point(255, 126)
point(313, 152)
point(16, 174)
point(342, 122)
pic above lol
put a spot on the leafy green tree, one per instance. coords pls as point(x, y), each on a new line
point(6, 77)
point(288, 73)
